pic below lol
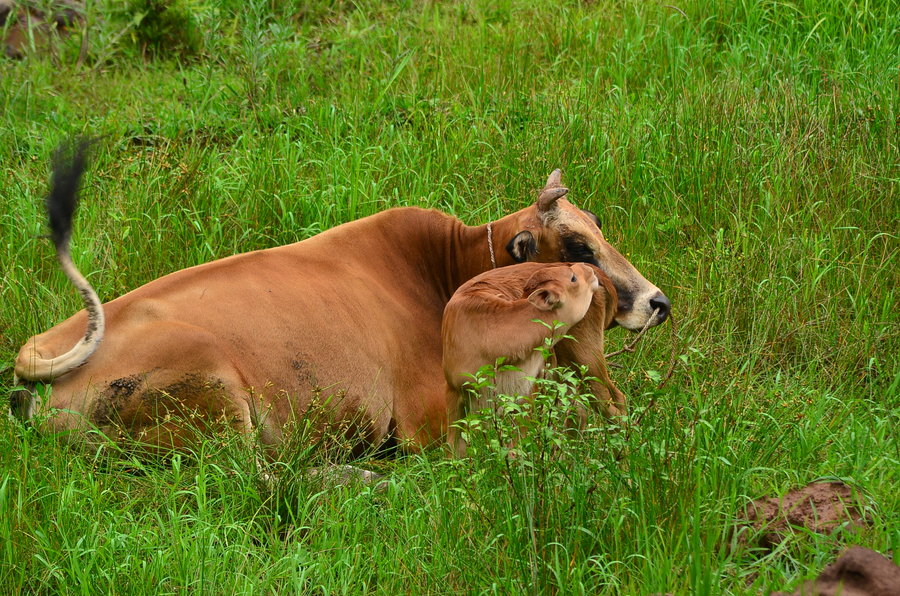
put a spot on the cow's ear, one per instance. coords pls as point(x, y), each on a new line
point(545, 299)
point(592, 217)
point(522, 247)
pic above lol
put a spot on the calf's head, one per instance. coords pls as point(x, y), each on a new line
point(566, 290)
point(553, 229)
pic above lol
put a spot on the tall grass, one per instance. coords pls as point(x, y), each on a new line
point(744, 155)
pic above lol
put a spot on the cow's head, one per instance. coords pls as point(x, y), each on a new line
point(553, 229)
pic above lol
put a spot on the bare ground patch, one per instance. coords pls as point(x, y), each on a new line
point(857, 572)
point(820, 507)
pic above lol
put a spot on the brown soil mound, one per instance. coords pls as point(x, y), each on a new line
point(858, 572)
point(820, 507)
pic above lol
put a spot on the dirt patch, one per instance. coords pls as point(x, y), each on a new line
point(193, 392)
point(114, 398)
point(857, 572)
point(818, 507)
point(306, 375)
point(129, 403)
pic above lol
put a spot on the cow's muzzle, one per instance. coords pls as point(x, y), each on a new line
point(660, 302)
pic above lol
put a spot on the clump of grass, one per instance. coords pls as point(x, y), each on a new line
point(165, 27)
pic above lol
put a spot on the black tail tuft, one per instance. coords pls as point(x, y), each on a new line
point(69, 163)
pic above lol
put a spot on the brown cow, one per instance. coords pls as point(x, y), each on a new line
point(506, 317)
point(349, 319)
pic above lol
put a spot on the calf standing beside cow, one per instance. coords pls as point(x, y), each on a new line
point(348, 320)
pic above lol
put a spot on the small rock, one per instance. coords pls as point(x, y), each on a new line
point(339, 475)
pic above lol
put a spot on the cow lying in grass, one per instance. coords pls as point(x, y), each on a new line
point(511, 316)
point(349, 319)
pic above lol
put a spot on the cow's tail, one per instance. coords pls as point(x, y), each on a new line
point(68, 166)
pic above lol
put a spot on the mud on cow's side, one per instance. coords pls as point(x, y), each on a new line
point(348, 320)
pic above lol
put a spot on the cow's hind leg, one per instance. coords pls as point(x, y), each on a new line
point(170, 412)
point(186, 391)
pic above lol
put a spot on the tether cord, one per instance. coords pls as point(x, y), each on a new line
point(491, 244)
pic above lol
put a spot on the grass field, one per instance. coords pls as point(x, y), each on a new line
point(744, 155)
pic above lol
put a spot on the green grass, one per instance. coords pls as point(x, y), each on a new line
point(744, 155)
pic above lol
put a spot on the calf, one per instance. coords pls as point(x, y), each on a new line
point(506, 316)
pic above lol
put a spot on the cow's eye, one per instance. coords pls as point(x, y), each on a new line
point(579, 251)
point(574, 279)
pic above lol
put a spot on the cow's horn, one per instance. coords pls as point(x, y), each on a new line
point(554, 180)
point(549, 197)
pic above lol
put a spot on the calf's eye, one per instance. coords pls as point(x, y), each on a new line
point(574, 279)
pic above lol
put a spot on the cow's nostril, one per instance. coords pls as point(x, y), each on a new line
point(662, 303)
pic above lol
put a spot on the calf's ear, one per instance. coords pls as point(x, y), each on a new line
point(522, 247)
point(545, 299)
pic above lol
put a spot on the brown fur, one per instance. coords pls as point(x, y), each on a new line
point(350, 318)
point(494, 318)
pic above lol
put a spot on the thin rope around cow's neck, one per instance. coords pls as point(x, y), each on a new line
point(491, 244)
